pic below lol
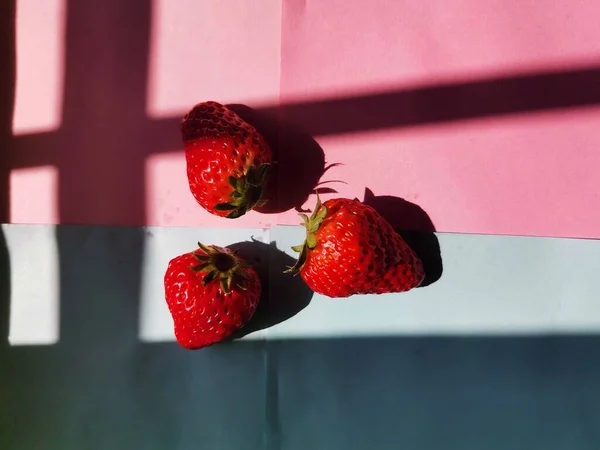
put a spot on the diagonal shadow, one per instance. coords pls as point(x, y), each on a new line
point(430, 104)
point(434, 104)
point(99, 387)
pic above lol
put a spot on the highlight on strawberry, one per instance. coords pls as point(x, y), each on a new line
point(350, 249)
point(211, 293)
point(228, 161)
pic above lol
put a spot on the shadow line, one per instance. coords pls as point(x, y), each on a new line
point(102, 178)
point(416, 228)
point(283, 295)
point(434, 104)
point(485, 98)
point(7, 99)
point(300, 160)
point(5, 289)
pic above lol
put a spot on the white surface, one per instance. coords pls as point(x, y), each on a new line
point(491, 285)
point(35, 290)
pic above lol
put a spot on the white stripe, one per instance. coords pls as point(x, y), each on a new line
point(491, 285)
point(35, 290)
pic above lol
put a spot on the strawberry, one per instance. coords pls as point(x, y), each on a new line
point(210, 293)
point(350, 249)
point(228, 160)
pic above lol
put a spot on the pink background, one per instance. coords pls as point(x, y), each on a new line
point(485, 114)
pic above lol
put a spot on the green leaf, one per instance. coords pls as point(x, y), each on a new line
point(210, 276)
point(298, 248)
point(236, 213)
point(311, 241)
point(244, 274)
point(232, 181)
point(238, 280)
point(321, 214)
point(305, 219)
point(226, 282)
point(201, 256)
point(204, 248)
point(263, 172)
point(296, 268)
point(235, 194)
point(314, 226)
point(224, 207)
point(201, 267)
point(317, 206)
point(226, 289)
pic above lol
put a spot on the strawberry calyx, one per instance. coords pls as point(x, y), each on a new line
point(247, 191)
point(312, 225)
point(221, 264)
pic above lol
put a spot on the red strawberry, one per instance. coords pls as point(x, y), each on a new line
point(211, 293)
point(350, 249)
point(228, 160)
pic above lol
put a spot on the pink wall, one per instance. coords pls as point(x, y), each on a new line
point(483, 113)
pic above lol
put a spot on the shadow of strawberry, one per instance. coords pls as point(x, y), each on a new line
point(416, 228)
point(283, 295)
point(300, 159)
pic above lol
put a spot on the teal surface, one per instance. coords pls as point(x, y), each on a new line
point(336, 375)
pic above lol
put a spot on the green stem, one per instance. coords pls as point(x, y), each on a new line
point(311, 224)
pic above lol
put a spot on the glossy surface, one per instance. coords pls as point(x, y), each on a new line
point(204, 315)
point(219, 145)
point(358, 252)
